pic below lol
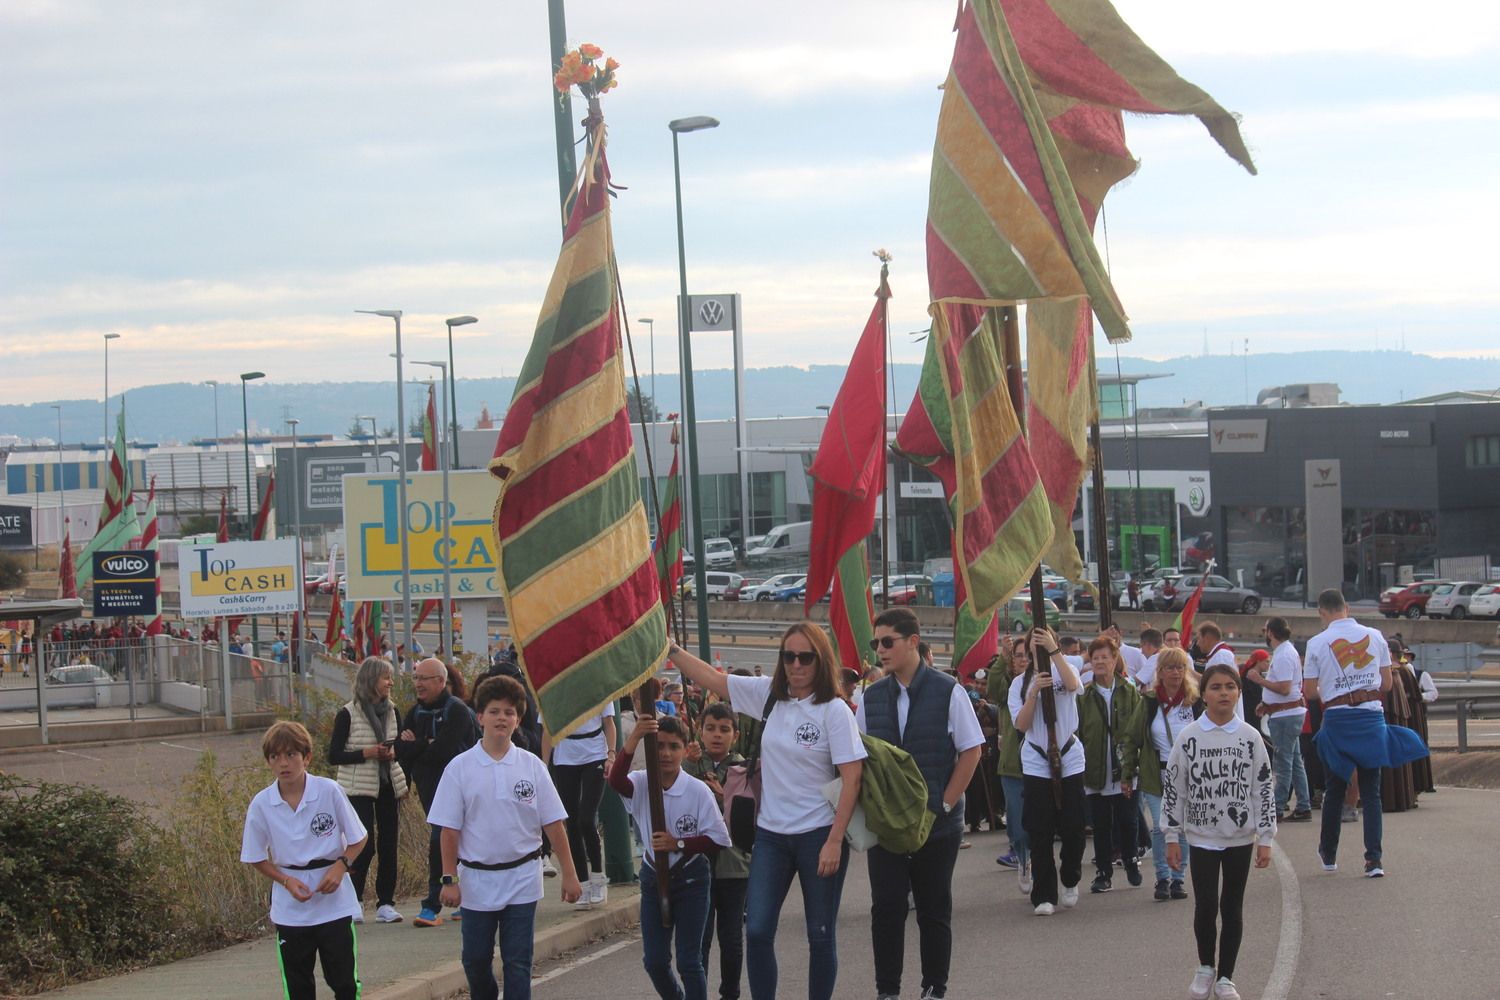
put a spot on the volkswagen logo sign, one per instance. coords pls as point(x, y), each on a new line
point(125, 565)
point(711, 312)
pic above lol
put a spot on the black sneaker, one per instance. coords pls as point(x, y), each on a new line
point(1162, 892)
point(1178, 892)
point(1300, 816)
point(1102, 883)
point(1133, 875)
point(1373, 870)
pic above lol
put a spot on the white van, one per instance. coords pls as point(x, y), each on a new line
point(783, 542)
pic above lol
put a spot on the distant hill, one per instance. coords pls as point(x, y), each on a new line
point(185, 411)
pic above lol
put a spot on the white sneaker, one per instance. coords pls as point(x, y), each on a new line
point(1023, 878)
point(1070, 896)
point(598, 890)
point(549, 870)
point(387, 914)
point(1203, 983)
point(359, 917)
point(1224, 990)
point(1047, 909)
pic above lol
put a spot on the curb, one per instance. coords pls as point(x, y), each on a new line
point(440, 981)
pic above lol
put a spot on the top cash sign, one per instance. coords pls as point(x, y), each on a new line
point(372, 531)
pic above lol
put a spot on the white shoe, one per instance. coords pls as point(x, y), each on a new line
point(598, 890)
point(1023, 878)
point(1047, 909)
point(1070, 896)
point(1224, 990)
point(359, 917)
point(549, 870)
point(387, 914)
point(1203, 983)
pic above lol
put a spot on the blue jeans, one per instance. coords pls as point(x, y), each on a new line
point(1159, 842)
point(514, 925)
point(688, 890)
point(776, 858)
point(1014, 796)
point(1333, 812)
point(1286, 737)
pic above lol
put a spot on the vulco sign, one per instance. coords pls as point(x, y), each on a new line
point(239, 578)
point(125, 565)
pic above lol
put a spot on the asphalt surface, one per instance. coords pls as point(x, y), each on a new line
point(1425, 931)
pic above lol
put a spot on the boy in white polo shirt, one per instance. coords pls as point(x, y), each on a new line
point(493, 805)
point(302, 833)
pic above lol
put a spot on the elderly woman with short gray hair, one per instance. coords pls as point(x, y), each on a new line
point(363, 748)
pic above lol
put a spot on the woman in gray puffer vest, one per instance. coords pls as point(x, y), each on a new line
point(363, 747)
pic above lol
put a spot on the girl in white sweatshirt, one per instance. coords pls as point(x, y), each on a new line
point(1219, 790)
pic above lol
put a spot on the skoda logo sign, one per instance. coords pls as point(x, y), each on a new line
point(1196, 499)
point(124, 565)
point(711, 312)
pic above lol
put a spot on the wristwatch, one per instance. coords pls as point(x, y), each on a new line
point(449, 880)
point(681, 844)
point(948, 807)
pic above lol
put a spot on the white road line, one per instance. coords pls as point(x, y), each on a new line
point(179, 746)
point(585, 960)
point(85, 756)
point(1289, 947)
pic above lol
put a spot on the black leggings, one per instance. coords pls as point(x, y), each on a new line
point(581, 786)
point(1209, 902)
point(380, 817)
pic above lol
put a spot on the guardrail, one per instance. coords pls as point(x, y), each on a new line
point(1466, 707)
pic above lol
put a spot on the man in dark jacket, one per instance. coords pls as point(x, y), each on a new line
point(438, 728)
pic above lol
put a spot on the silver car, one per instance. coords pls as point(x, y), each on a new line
point(1219, 594)
point(1451, 600)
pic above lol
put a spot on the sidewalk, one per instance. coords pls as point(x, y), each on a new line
point(396, 961)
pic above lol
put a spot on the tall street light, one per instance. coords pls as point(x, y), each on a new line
point(685, 346)
point(452, 390)
point(447, 519)
point(395, 314)
point(107, 338)
point(245, 379)
point(62, 484)
point(301, 631)
point(215, 384)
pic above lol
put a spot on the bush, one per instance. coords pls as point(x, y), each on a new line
point(83, 885)
point(12, 572)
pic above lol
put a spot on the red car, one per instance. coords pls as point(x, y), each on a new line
point(1409, 601)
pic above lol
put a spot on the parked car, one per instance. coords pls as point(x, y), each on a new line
point(1016, 615)
point(1218, 595)
point(766, 590)
point(900, 583)
point(1408, 601)
point(719, 586)
point(78, 673)
point(792, 591)
point(1451, 600)
point(718, 553)
point(1486, 602)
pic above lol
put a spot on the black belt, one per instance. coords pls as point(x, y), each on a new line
point(502, 866)
point(1061, 752)
point(311, 865)
point(586, 736)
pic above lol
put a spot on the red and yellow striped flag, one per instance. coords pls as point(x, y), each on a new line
point(573, 552)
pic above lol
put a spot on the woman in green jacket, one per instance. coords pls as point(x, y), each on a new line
point(1106, 711)
point(1165, 711)
point(1015, 654)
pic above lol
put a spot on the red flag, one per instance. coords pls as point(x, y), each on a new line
point(263, 515)
point(357, 629)
point(67, 583)
point(223, 535)
point(669, 531)
point(1184, 622)
point(150, 543)
point(429, 433)
point(333, 635)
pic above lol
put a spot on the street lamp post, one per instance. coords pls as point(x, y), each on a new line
point(107, 338)
point(245, 379)
point(62, 488)
point(395, 314)
point(685, 346)
point(447, 609)
point(215, 384)
point(300, 633)
point(452, 387)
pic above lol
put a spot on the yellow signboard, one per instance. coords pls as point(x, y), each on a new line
point(372, 530)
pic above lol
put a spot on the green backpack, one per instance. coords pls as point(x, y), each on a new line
point(893, 795)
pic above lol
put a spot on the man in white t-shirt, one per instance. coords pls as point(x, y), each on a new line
point(1215, 650)
point(1140, 661)
point(1284, 708)
point(1348, 667)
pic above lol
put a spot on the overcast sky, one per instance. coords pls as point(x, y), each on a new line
point(224, 183)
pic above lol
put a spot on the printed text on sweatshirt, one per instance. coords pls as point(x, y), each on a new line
point(1218, 786)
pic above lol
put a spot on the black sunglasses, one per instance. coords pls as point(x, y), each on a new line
point(806, 658)
point(887, 641)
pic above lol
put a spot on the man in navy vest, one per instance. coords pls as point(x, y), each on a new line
point(928, 715)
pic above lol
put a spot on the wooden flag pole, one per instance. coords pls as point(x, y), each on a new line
point(645, 708)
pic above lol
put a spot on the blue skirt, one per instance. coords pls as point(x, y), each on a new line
point(1356, 737)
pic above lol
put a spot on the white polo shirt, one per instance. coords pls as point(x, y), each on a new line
point(1034, 745)
point(322, 826)
point(800, 750)
point(1138, 666)
point(1286, 665)
point(570, 751)
point(963, 724)
point(499, 808)
point(1347, 657)
point(690, 809)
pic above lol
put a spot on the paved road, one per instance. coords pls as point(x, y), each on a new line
point(1426, 931)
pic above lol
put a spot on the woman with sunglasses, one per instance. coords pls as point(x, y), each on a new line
point(809, 738)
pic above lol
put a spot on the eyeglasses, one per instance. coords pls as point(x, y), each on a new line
point(807, 658)
point(887, 641)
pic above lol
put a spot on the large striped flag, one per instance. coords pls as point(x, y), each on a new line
point(669, 530)
point(848, 475)
point(574, 559)
point(150, 542)
point(67, 581)
point(263, 512)
point(118, 525)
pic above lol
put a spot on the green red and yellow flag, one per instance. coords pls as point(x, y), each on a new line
point(118, 525)
point(574, 559)
point(668, 547)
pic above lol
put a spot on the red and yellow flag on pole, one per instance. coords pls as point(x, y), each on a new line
point(575, 563)
point(848, 476)
point(263, 513)
point(668, 549)
point(67, 583)
point(429, 432)
point(150, 542)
